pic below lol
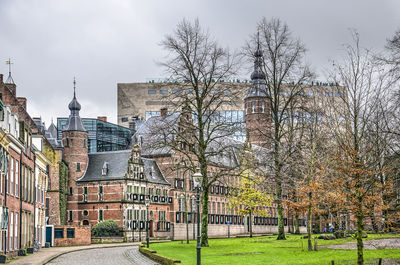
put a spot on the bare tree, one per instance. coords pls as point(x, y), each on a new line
point(286, 74)
point(392, 57)
point(195, 129)
point(364, 84)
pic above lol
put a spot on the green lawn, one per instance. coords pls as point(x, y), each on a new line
point(267, 250)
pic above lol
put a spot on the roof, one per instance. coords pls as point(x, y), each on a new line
point(74, 120)
point(223, 151)
point(147, 138)
point(117, 167)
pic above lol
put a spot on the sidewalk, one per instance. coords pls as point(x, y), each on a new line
point(47, 254)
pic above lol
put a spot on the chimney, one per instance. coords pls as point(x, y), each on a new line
point(22, 101)
point(164, 112)
point(102, 118)
point(132, 125)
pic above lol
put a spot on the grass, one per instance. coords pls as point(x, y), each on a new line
point(267, 250)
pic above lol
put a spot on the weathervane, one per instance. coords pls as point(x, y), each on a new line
point(9, 80)
point(74, 86)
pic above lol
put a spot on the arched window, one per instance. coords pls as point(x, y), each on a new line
point(253, 106)
point(262, 106)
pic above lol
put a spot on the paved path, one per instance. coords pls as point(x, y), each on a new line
point(104, 256)
point(46, 255)
point(386, 243)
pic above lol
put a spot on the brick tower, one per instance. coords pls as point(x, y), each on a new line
point(257, 105)
point(75, 141)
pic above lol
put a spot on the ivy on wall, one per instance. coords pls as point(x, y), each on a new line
point(63, 191)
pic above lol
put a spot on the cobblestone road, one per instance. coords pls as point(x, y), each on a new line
point(104, 256)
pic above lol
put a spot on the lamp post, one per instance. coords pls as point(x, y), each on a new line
point(193, 212)
point(197, 181)
point(147, 203)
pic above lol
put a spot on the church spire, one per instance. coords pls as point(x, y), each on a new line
point(257, 77)
point(74, 120)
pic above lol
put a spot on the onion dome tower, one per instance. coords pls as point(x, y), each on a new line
point(257, 104)
point(75, 142)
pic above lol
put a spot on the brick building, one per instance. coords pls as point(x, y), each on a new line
point(26, 168)
point(112, 185)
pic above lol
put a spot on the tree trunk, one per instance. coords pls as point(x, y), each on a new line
point(250, 225)
point(309, 224)
point(296, 224)
point(373, 223)
point(278, 177)
point(187, 226)
point(317, 229)
point(204, 219)
point(281, 227)
point(360, 244)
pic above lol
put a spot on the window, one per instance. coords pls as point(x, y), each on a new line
point(100, 215)
point(100, 193)
point(16, 231)
point(70, 191)
point(176, 91)
point(188, 92)
point(70, 232)
point(84, 143)
point(47, 206)
point(163, 91)
point(85, 194)
point(263, 106)
point(78, 167)
point(253, 106)
point(16, 178)
point(12, 176)
point(124, 119)
point(67, 142)
point(58, 232)
point(70, 216)
point(85, 213)
point(151, 91)
point(11, 230)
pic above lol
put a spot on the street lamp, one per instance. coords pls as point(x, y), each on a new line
point(197, 181)
point(147, 203)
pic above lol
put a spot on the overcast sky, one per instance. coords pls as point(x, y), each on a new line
point(104, 42)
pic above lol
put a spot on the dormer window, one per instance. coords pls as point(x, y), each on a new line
point(104, 170)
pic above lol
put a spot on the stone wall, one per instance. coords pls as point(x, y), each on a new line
point(221, 231)
point(82, 236)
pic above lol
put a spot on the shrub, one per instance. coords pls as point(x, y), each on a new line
point(340, 234)
point(364, 235)
point(106, 229)
point(327, 237)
